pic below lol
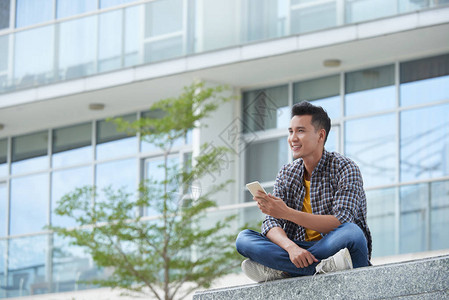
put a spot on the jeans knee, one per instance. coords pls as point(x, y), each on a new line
point(354, 232)
point(242, 240)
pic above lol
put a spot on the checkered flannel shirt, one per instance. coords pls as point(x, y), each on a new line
point(336, 188)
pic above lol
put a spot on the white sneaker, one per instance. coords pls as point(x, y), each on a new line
point(260, 273)
point(340, 261)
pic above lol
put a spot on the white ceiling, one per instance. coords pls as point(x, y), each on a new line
point(254, 73)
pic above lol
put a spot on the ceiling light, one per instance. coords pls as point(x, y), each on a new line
point(332, 63)
point(96, 106)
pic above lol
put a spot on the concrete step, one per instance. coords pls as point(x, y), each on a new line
point(418, 279)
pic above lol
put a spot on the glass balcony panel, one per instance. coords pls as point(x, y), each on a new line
point(67, 8)
point(66, 181)
point(72, 145)
point(77, 55)
point(439, 215)
point(110, 41)
point(381, 208)
point(3, 158)
point(413, 219)
point(264, 160)
point(4, 53)
point(29, 44)
point(3, 211)
point(163, 17)
point(364, 10)
point(29, 152)
point(111, 3)
point(414, 5)
point(266, 109)
point(133, 38)
point(375, 153)
point(30, 12)
point(29, 200)
point(27, 265)
point(313, 17)
point(424, 143)
point(4, 14)
point(425, 80)
point(370, 90)
point(163, 49)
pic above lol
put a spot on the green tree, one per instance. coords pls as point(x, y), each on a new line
point(176, 253)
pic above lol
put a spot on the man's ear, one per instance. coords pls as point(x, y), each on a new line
point(322, 134)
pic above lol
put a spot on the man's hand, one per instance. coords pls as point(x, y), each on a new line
point(300, 257)
point(271, 205)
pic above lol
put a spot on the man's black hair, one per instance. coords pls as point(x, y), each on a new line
point(320, 119)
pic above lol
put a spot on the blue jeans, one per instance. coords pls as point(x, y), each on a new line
point(259, 248)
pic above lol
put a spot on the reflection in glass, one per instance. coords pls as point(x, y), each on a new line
point(381, 208)
point(29, 152)
point(64, 182)
point(4, 15)
point(323, 92)
point(163, 17)
point(27, 264)
point(370, 90)
point(112, 143)
point(76, 54)
point(29, 12)
point(67, 8)
point(3, 210)
point(264, 160)
point(29, 200)
point(413, 220)
point(266, 109)
point(132, 38)
point(425, 143)
point(72, 145)
point(121, 174)
point(3, 157)
point(371, 143)
point(110, 41)
point(313, 17)
point(439, 215)
point(359, 11)
point(163, 49)
point(29, 44)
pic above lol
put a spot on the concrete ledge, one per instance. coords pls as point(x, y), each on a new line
point(420, 279)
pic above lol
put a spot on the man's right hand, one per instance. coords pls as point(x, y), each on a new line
point(300, 257)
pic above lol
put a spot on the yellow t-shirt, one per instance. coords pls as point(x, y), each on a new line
point(311, 235)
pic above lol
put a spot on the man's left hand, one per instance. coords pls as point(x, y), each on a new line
point(271, 205)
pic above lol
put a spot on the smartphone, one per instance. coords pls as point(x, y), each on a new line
point(255, 186)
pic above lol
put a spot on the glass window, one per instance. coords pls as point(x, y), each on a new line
point(132, 38)
point(324, 92)
point(266, 109)
point(3, 157)
point(332, 142)
point(3, 210)
point(425, 80)
point(29, 12)
point(110, 41)
point(413, 219)
point(4, 13)
point(425, 143)
point(381, 208)
point(4, 56)
point(29, 200)
point(370, 90)
point(439, 212)
point(77, 50)
point(371, 143)
point(27, 264)
point(111, 143)
point(121, 174)
point(264, 160)
point(363, 10)
point(67, 8)
point(29, 152)
point(163, 49)
point(29, 44)
point(64, 182)
point(154, 171)
point(110, 3)
point(313, 17)
point(72, 145)
point(163, 17)
point(2, 264)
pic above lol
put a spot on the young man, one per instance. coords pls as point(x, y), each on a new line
point(316, 217)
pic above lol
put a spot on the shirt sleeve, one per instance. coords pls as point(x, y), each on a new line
point(349, 189)
point(279, 191)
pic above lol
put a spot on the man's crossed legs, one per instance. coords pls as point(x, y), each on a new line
point(261, 250)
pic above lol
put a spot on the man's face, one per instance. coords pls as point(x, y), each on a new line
point(303, 139)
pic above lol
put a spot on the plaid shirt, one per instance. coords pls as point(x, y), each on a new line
point(336, 188)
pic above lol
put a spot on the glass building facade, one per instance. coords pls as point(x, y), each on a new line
point(390, 118)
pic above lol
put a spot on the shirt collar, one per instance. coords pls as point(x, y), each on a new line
point(323, 161)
